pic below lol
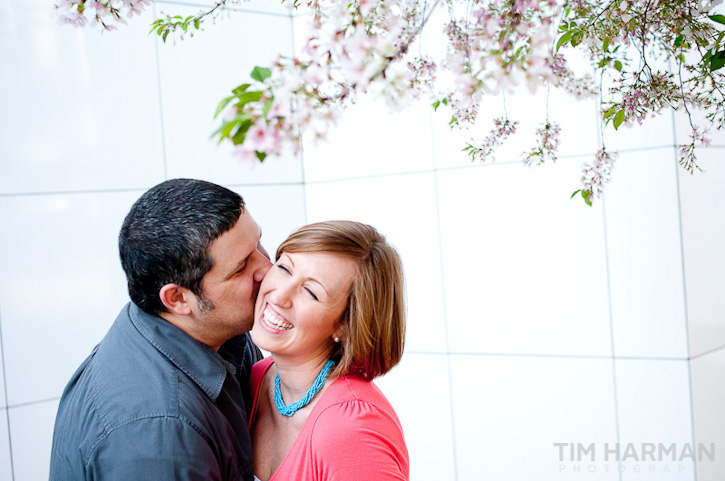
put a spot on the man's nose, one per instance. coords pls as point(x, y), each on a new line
point(262, 268)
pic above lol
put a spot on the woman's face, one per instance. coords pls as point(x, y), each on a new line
point(300, 304)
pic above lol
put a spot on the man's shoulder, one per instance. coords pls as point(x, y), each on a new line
point(125, 378)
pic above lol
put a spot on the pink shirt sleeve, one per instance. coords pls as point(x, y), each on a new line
point(356, 439)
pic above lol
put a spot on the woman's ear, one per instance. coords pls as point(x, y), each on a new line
point(339, 334)
point(176, 299)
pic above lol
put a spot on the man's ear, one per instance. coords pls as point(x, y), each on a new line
point(176, 299)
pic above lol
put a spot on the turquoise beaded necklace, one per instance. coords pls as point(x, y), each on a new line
point(285, 410)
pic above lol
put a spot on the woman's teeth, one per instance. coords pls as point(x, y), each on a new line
point(272, 320)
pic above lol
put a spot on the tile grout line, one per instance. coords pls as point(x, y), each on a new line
point(434, 169)
point(34, 403)
point(302, 151)
point(132, 189)
point(443, 301)
point(611, 335)
point(703, 354)
point(552, 356)
point(7, 407)
point(161, 101)
point(684, 289)
point(600, 135)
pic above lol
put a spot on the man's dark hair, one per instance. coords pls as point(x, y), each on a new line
point(165, 238)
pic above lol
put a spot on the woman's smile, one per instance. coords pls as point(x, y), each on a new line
point(272, 321)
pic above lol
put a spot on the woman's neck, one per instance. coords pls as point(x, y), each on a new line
point(296, 376)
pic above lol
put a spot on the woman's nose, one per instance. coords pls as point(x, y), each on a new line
point(281, 294)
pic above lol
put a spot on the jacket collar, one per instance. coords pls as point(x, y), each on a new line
point(197, 360)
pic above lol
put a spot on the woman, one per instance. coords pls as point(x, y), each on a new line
point(331, 312)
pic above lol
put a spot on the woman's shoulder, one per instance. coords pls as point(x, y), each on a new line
point(351, 400)
point(355, 431)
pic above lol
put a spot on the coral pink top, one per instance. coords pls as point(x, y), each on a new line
point(351, 433)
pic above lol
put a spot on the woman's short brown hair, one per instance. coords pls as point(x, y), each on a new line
point(374, 321)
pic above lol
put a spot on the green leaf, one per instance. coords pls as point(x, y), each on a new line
point(261, 156)
point(435, 105)
point(717, 18)
point(603, 62)
point(222, 105)
point(247, 97)
point(564, 39)
point(166, 34)
point(605, 45)
point(618, 119)
point(618, 65)
point(717, 61)
point(260, 74)
point(226, 129)
point(577, 39)
point(719, 39)
point(241, 89)
point(575, 193)
point(610, 112)
point(238, 137)
point(678, 41)
point(267, 106)
point(587, 195)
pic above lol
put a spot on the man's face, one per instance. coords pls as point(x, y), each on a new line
point(230, 288)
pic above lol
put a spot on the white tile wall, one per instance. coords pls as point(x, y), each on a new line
point(368, 141)
point(62, 285)
point(654, 132)
point(645, 256)
point(708, 399)
point(578, 132)
point(3, 398)
point(683, 128)
point(31, 428)
point(509, 411)
point(403, 208)
point(419, 390)
point(265, 6)
point(703, 228)
point(524, 266)
point(81, 109)
point(278, 209)
point(579, 122)
point(653, 402)
point(196, 74)
point(6, 471)
point(522, 107)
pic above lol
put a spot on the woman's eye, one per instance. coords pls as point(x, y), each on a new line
point(284, 268)
point(312, 294)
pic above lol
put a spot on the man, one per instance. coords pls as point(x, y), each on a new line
point(165, 394)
